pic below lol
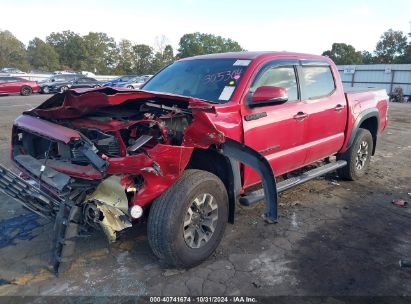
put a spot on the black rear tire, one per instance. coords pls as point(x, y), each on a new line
point(169, 213)
point(26, 91)
point(63, 89)
point(358, 156)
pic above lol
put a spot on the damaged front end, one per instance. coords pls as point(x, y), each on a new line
point(88, 158)
point(97, 158)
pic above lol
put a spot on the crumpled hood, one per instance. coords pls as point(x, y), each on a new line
point(79, 102)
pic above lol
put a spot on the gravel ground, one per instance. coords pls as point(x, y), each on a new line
point(333, 238)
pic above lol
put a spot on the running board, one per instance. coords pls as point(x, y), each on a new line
point(258, 195)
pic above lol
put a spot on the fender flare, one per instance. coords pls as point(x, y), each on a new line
point(246, 155)
point(373, 112)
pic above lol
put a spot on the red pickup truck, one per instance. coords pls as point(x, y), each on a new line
point(195, 140)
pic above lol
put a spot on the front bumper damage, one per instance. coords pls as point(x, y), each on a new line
point(65, 212)
point(107, 208)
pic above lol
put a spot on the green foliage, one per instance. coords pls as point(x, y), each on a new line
point(124, 58)
point(12, 52)
point(100, 51)
point(162, 59)
point(42, 55)
point(392, 47)
point(198, 43)
point(143, 57)
point(367, 57)
point(342, 53)
point(71, 49)
point(407, 56)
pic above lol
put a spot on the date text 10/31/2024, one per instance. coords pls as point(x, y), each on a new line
point(202, 299)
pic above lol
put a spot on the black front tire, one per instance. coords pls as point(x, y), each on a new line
point(168, 214)
point(358, 156)
point(45, 90)
point(26, 91)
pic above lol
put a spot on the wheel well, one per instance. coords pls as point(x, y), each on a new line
point(371, 124)
point(214, 162)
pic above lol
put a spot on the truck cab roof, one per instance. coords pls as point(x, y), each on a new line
point(258, 55)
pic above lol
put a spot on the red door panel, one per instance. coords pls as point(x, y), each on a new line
point(325, 127)
point(276, 130)
point(14, 87)
point(326, 109)
point(278, 136)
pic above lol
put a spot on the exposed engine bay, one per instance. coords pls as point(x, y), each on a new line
point(111, 133)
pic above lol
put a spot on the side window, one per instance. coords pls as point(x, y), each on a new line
point(318, 81)
point(279, 77)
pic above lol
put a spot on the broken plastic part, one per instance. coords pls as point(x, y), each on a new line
point(111, 192)
point(114, 220)
point(141, 141)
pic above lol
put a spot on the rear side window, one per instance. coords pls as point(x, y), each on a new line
point(11, 79)
point(318, 81)
point(59, 78)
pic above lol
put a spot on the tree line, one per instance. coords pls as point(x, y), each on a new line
point(98, 53)
point(393, 47)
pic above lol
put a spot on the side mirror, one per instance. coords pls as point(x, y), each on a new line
point(266, 95)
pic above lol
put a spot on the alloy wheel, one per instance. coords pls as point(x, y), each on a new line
point(200, 220)
point(362, 155)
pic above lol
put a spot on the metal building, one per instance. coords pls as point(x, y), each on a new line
point(385, 76)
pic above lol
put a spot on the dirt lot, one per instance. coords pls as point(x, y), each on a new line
point(333, 238)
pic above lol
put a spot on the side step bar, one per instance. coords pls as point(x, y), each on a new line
point(258, 195)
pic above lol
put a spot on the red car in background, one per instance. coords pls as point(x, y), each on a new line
point(17, 85)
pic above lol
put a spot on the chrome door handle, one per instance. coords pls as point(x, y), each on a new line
point(339, 108)
point(300, 116)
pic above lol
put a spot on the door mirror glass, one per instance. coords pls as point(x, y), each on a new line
point(269, 95)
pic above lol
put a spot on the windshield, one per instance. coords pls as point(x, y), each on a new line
point(210, 79)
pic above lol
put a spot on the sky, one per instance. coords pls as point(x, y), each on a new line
point(309, 26)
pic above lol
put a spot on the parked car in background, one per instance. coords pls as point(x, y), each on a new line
point(88, 74)
point(42, 72)
point(11, 71)
point(52, 81)
point(63, 72)
point(119, 80)
point(17, 85)
point(146, 77)
point(133, 83)
point(76, 83)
